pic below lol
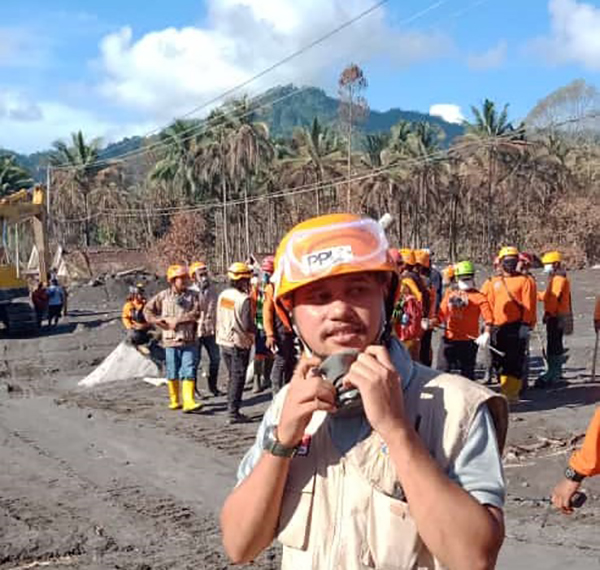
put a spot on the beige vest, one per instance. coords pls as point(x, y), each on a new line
point(175, 305)
point(230, 331)
point(344, 513)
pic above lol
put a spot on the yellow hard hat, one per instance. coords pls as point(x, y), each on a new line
point(423, 258)
point(239, 270)
point(197, 266)
point(327, 246)
point(175, 271)
point(408, 256)
point(551, 257)
point(508, 251)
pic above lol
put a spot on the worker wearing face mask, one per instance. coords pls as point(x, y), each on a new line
point(460, 314)
point(558, 316)
point(512, 298)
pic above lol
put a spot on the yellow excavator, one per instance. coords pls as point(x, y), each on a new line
point(16, 313)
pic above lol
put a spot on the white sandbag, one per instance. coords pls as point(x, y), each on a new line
point(123, 363)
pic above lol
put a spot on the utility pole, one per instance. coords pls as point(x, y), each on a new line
point(48, 184)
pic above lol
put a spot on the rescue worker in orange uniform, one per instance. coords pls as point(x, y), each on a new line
point(557, 308)
point(430, 306)
point(280, 341)
point(513, 302)
point(583, 463)
point(176, 310)
point(448, 277)
point(408, 305)
point(366, 459)
point(460, 313)
point(133, 318)
point(263, 357)
point(235, 335)
point(524, 268)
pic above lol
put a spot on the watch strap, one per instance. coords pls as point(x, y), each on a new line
point(572, 475)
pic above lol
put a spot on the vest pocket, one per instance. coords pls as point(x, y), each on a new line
point(295, 516)
point(392, 538)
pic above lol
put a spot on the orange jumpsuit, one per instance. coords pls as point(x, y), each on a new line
point(586, 461)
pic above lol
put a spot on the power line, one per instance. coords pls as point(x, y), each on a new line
point(288, 192)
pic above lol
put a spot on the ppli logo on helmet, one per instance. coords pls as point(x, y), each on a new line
point(326, 258)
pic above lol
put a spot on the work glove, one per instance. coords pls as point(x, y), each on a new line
point(483, 340)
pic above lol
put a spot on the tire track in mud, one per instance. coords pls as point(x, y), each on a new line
point(96, 518)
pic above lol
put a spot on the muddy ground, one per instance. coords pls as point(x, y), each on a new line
point(109, 478)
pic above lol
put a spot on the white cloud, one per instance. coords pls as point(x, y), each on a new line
point(448, 112)
point(574, 34)
point(172, 70)
point(490, 59)
point(27, 126)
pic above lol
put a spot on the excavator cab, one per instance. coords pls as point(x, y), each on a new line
point(16, 313)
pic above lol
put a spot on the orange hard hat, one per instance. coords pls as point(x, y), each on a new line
point(327, 246)
point(197, 266)
point(175, 271)
point(408, 256)
point(423, 258)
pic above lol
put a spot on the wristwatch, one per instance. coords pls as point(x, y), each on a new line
point(274, 447)
point(572, 475)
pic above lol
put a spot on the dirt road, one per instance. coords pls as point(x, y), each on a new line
point(109, 478)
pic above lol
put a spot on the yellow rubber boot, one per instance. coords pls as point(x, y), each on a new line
point(510, 386)
point(174, 401)
point(187, 392)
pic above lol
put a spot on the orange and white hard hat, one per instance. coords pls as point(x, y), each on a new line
point(423, 258)
point(408, 256)
point(198, 266)
point(175, 271)
point(327, 246)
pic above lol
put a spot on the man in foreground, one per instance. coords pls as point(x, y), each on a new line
point(399, 467)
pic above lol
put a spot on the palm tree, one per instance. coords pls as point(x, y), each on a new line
point(250, 150)
point(80, 161)
point(12, 176)
point(318, 157)
point(491, 135)
point(177, 169)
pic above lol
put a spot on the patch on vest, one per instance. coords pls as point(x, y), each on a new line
point(304, 446)
point(319, 261)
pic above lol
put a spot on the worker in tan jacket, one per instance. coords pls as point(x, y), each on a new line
point(175, 311)
point(366, 459)
point(235, 335)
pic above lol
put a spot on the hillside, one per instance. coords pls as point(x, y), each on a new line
point(300, 105)
point(291, 107)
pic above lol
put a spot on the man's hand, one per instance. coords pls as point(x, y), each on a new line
point(163, 324)
point(308, 392)
point(562, 494)
point(271, 345)
point(380, 388)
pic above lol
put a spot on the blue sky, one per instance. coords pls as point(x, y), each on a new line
point(121, 68)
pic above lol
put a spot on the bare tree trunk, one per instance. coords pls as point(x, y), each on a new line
point(225, 228)
point(246, 216)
